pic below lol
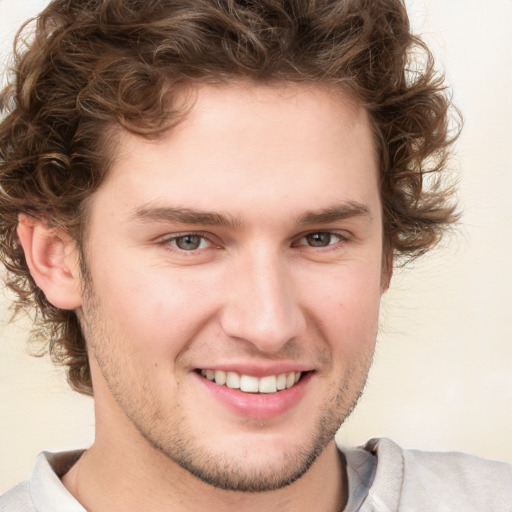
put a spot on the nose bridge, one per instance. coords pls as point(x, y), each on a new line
point(262, 305)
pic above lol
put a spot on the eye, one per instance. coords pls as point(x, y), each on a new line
point(320, 239)
point(188, 242)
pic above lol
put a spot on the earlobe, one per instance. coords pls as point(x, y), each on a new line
point(52, 259)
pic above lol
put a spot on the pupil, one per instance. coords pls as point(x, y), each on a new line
point(319, 239)
point(189, 242)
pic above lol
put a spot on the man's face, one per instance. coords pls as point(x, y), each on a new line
point(245, 244)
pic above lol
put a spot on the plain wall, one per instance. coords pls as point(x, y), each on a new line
point(441, 375)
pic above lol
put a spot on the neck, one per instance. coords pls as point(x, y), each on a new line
point(116, 475)
point(122, 471)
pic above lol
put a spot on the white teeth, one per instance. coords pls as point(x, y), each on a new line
point(281, 381)
point(268, 384)
point(232, 380)
point(220, 377)
point(251, 384)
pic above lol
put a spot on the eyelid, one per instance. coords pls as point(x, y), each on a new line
point(343, 236)
point(167, 239)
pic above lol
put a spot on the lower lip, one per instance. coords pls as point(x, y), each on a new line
point(258, 405)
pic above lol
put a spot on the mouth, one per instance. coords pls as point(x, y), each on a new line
point(251, 384)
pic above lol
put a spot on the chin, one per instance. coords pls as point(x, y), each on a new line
point(242, 475)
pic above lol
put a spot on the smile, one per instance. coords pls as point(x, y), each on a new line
point(251, 384)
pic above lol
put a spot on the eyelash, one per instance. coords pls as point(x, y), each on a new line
point(172, 240)
point(340, 239)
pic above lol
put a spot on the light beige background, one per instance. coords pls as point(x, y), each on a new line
point(441, 378)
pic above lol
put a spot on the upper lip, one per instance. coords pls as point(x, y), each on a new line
point(258, 370)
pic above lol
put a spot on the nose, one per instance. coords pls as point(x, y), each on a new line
point(261, 303)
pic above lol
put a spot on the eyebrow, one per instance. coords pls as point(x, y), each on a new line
point(334, 213)
point(185, 216)
point(197, 217)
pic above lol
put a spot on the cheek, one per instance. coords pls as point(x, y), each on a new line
point(345, 303)
point(154, 310)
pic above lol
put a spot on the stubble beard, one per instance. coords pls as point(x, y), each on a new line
point(171, 437)
point(232, 473)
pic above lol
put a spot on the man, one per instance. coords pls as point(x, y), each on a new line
point(204, 201)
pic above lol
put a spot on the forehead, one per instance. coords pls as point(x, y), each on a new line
point(242, 144)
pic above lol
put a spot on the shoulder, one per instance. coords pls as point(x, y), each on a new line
point(43, 491)
point(17, 499)
point(442, 481)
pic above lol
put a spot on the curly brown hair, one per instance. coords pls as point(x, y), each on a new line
point(96, 64)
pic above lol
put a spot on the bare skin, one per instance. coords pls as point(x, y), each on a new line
point(247, 240)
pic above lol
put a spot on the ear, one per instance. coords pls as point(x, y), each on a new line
point(52, 258)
